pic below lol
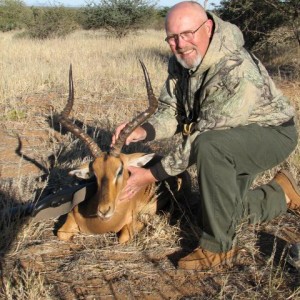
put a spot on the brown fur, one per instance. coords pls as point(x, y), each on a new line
point(104, 212)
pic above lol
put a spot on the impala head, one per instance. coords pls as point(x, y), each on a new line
point(109, 168)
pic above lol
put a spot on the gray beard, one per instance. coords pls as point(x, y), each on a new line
point(195, 64)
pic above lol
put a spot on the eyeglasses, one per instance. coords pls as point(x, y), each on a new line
point(186, 36)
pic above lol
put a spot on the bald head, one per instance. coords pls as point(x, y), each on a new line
point(186, 9)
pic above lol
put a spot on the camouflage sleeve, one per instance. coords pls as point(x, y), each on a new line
point(176, 161)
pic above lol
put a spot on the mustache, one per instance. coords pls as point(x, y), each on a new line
point(182, 50)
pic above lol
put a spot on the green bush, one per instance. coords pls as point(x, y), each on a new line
point(51, 22)
point(118, 17)
point(13, 14)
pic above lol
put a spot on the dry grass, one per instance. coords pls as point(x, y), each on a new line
point(110, 89)
point(102, 66)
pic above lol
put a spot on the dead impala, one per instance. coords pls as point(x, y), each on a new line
point(103, 212)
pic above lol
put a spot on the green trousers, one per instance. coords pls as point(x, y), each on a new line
point(227, 163)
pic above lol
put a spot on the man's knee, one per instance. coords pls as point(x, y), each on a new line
point(207, 145)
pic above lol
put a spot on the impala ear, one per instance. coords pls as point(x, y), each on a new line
point(139, 159)
point(84, 172)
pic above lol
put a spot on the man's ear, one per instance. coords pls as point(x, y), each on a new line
point(210, 26)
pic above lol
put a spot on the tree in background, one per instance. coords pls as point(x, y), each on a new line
point(118, 17)
point(290, 10)
point(259, 20)
point(50, 22)
point(13, 14)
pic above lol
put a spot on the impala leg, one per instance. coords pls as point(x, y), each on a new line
point(124, 234)
point(68, 229)
point(129, 230)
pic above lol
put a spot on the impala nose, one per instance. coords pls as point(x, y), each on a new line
point(105, 213)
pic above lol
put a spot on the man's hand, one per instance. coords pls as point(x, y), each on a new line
point(139, 134)
point(139, 178)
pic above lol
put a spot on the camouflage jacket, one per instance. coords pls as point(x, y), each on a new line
point(229, 88)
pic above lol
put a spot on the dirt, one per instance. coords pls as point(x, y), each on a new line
point(97, 267)
point(26, 142)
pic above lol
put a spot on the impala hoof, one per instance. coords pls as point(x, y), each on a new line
point(65, 236)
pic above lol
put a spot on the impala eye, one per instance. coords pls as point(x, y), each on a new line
point(120, 171)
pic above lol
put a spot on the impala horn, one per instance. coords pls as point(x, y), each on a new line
point(138, 120)
point(63, 118)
